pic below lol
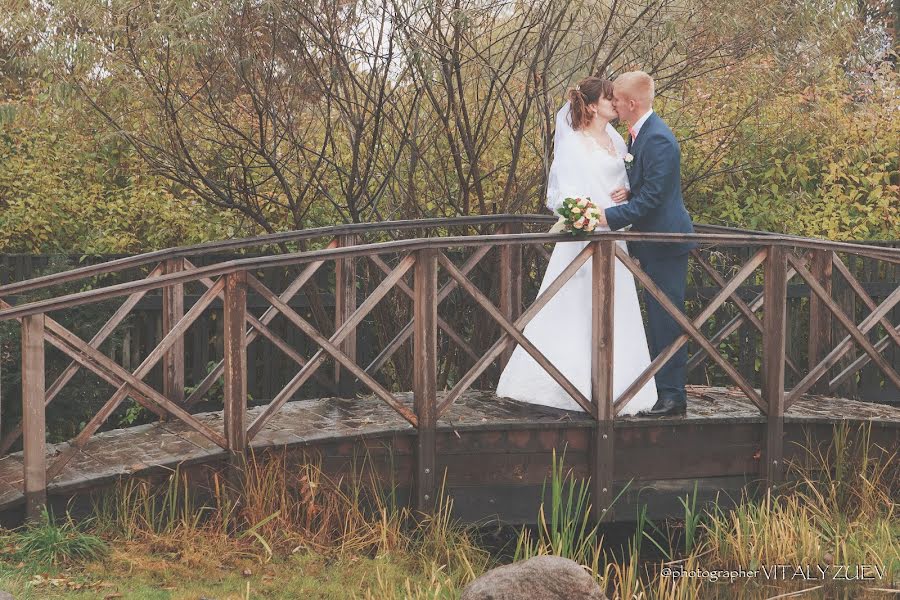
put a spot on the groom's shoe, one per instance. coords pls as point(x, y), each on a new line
point(666, 406)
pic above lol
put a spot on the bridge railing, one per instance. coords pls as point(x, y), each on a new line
point(437, 272)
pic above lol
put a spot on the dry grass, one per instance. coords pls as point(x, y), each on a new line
point(840, 508)
point(290, 510)
point(280, 508)
point(300, 533)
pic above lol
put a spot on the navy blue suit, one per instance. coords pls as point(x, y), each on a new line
point(656, 205)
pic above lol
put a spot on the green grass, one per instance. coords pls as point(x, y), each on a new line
point(48, 543)
point(298, 576)
point(568, 530)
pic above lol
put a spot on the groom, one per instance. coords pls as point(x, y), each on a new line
point(655, 205)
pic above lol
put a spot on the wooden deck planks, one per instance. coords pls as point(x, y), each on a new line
point(511, 442)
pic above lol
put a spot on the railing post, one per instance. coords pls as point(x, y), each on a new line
point(172, 312)
point(774, 331)
point(235, 363)
point(425, 376)
point(819, 316)
point(33, 416)
point(510, 283)
point(603, 263)
point(344, 305)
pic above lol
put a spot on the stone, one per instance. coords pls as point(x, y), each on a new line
point(6, 596)
point(538, 578)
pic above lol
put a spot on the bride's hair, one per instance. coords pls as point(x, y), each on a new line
point(588, 91)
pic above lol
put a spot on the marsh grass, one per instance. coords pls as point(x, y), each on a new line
point(294, 510)
point(568, 530)
point(303, 534)
point(840, 507)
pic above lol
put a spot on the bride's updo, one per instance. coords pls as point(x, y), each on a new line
point(588, 91)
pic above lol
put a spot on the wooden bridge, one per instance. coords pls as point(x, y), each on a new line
point(436, 307)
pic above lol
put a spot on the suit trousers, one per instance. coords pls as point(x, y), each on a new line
point(670, 275)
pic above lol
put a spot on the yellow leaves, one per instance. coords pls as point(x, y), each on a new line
point(827, 169)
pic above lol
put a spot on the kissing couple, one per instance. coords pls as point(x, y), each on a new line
point(637, 184)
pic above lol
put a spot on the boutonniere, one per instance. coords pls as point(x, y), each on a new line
point(629, 159)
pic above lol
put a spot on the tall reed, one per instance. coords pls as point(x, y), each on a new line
point(840, 507)
point(567, 531)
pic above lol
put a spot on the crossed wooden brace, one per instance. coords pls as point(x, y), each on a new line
point(878, 315)
point(513, 332)
point(88, 356)
point(260, 327)
point(407, 330)
point(857, 333)
point(748, 313)
point(289, 292)
point(893, 332)
point(329, 346)
point(96, 341)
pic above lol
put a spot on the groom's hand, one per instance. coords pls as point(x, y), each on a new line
point(619, 195)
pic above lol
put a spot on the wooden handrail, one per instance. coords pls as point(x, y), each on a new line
point(298, 258)
point(206, 248)
point(705, 228)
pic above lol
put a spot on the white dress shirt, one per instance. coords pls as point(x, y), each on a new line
point(636, 128)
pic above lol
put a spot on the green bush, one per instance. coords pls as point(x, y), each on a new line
point(65, 188)
point(814, 162)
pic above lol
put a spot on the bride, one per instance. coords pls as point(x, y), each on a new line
point(587, 162)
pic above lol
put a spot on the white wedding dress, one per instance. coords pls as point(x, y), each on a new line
point(561, 330)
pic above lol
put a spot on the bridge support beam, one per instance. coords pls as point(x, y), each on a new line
point(33, 416)
point(235, 363)
point(425, 377)
point(819, 316)
point(235, 381)
point(172, 312)
point(774, 329)
point(344, 306)
point(510, 283)
point(603, 264)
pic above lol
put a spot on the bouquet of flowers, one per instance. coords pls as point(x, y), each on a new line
point(577, 215)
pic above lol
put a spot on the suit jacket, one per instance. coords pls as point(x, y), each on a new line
point(656, 204)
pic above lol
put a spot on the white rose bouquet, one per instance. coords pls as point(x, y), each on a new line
point(577, 215)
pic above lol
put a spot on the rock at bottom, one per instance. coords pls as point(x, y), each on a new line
point(538, 578)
